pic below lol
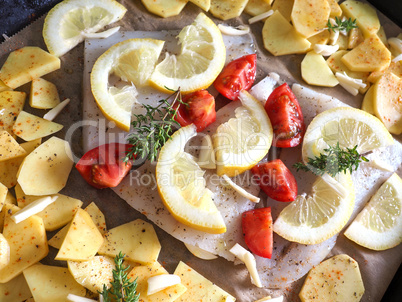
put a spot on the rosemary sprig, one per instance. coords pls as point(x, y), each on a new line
point(122, 289)
point(340, 25)
point(153, 129)
point(336, 160)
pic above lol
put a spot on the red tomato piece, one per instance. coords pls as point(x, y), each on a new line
point(276, 180)
point(199, 110)
point(103, 166)
point(257, 230)
point(286, 117)
point(236, 76)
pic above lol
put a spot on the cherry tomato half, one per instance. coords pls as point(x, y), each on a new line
point(286, 117)
point(276, 180)
point(103, 166)
point(257, 230)
point(236, 76)
point(198, 109)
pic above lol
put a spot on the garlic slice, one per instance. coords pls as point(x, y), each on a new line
point(350, 84)
point(397, 58)
point(234, 31)
point(200, 253)
point(33, 208)
point(101, 35)
point(249, 260)
point(160, 282)
point(395, 44)
point(325, 50)
point(240, 190)
point(51, 115)
point(260, 17)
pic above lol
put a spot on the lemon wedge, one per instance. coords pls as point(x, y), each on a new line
point(181, 185)
point(379, 225)
point(133, 61)
point(316, 218)
point(201, 59)
point(67, 22)
point(243, 141)
point(349, 127)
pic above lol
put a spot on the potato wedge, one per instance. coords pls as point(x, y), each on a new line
point(227, 9)
point(336, 279)
point(9, 148)
point(11, 104)
point(27, 240)
point(15, 290)
point(43, 94)
point(143, 272)
point(257, 7)
point(4, 252)
point(45, 170)
point(280, 38)
point(30, 127)
point(51, 283)
point(25, 64)
point(310, 17)
point(82, 240)
point(137, 239)
point(97, 216)
point(198, 287)
point(285, 7)
point(315, 71)
point(355, 38)
point(165, 8)
point(93, 273)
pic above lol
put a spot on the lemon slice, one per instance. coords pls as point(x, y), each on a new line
point(316, 218)
point(243, 141)
point(67, 22)
point(379, 225)
point(181, 185)
point(349, 127)
point(133, 60)
point(201, 58)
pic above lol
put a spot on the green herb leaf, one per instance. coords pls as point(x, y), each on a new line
point(336, 160)
point(340, 25)
point(121, 289)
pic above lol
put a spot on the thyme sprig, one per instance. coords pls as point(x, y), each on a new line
point(340, 25)
point(153, 129)
point(122, 289)
point(334, 161)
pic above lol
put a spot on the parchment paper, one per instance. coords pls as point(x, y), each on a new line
point(377, 268)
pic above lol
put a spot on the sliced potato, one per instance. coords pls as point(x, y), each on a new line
point(97, 216)
point(257, 7)
point(204, 4)
point(165, 8)
point(336, 279)
point(387, 96)
point(144, 272)
point(10, 199)
point(315, 71)
point(320, 38)
point(310, 17)
point(43, 94)
point(280, 38)
point(383, 36)
point(27, 240)
point(11, 104)
point(365, 15)
point(4, 252)
point(82, 240)
point(51, 283)
point(3, 195)
point(368, 101)
point(4, 87)
point(27, 63)
point(9, 148)
point(45, 170)
point(93, 273)
point(198, 287)
point(370, 55)
point(343, 42)
point(137, 239)
point(355, 38)
point(15, 290)
point(30, 127)
point(336, 10)
point(227, 9)
point(57, 240)
point(394, 67)
point(285, 7)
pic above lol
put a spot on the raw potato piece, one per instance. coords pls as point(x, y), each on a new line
point(94, 273)
point(25, 64)
point(368, 100)
point(257, 7)
point(355, 38)
point(15, 290)
point(315, 71)
point(30, 127)
point(143, 272)
point(4, 87)
point(285, 7)
point(51, 283)
point(198, 287)
point(11, 104)
point(365, 15)
point(280, 38)
point(137, 239)
point(204, 4)
point(82, 240)
point(336, 279)
point(97, 216)
point(9, 148)
point(394, 67)
point(43, 94)
point(336, 10)
point(4, 253)
point(371, 55)
point(3, 195)
point(309, 17)
point(164, 8)
point(45, 170)
point(320, 38)
point(27, 240)
point(57, 240)
point(227, 9)
point(387, 101)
